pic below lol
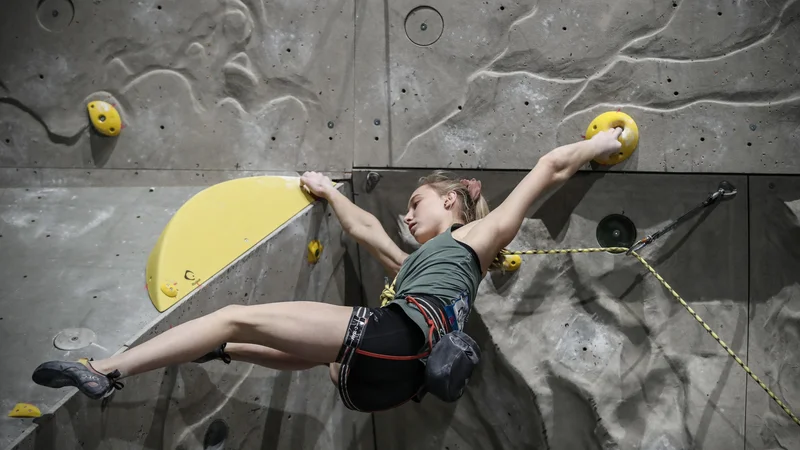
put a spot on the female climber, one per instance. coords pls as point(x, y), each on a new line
point(378, 357)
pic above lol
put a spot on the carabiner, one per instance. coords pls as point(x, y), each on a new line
point(727, 189)
point(640, 245)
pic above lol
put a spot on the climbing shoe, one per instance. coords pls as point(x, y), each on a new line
point(218, 353)
point(58, 374)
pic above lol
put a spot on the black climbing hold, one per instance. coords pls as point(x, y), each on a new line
point(616, 230)
point(216, 435)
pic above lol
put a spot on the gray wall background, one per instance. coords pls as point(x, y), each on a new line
point(211, 90)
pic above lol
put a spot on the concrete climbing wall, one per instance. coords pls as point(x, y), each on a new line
point(242, 85)
point(215, 89)
point(591, 351)
point(774, 308)
point(715, 86)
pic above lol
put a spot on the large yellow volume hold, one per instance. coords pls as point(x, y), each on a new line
point(214, 228)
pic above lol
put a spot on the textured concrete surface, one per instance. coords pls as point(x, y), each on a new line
point(774, 308)
point(259, 408)
point(590, 351)
point(74, 258)
point(218, 85)
point(713, 87)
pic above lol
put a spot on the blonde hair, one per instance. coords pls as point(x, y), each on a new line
point(470, 210)
point(445, 182)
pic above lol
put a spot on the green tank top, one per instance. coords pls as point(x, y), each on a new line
point(442, 268)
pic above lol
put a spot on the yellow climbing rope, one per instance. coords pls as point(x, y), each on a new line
point(388, 295)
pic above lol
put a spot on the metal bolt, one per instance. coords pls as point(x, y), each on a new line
point(771, 185)
point(377, 122)
point(423, 26)
point(55, 13)
point(330, 124)
point(753, 127)
point(616, 233)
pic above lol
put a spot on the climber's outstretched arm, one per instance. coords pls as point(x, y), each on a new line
point(495, 231)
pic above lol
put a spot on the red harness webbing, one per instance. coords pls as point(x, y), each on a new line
point(430, 323)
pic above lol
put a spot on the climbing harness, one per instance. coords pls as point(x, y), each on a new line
point(724, 191)
point(450, 355)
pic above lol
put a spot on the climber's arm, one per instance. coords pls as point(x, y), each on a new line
point(495, 231)
point(367, 231)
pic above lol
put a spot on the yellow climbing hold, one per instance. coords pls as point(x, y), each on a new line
point(629, 137)
point(314, 251)
point(105, 118)
point(170, 289)
point(511, 263)
point(25, 410)
point(214, 228)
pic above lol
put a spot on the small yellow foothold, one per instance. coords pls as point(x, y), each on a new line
point(314, 251)
point(170, 289)
point(25, 410)
point(511, 263)
point(105, 118)
point(629, 137)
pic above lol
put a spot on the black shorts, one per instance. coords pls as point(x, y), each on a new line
point(368, 383)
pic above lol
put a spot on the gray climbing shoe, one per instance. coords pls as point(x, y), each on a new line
point(80, 374)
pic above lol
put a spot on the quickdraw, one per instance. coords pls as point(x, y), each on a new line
point(724, 191)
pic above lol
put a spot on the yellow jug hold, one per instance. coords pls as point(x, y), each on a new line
point(629, 137)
